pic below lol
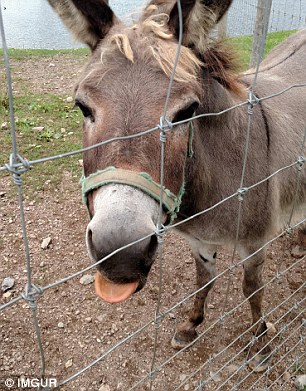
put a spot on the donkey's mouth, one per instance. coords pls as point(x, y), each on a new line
point(112, 292)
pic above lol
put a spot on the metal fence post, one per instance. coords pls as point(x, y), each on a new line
point(260, 30)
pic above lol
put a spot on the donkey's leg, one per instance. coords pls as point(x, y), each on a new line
point(300, 250)
point(205, 258)
point(253, 290)
point(302, 237)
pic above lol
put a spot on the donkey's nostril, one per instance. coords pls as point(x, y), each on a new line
point(91, 246)
point(152, 246)
point(89, 235)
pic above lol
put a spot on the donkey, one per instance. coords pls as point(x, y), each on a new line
point(122, 92)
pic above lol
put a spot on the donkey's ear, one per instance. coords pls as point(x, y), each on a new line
point(89, 20)
point(199, 17)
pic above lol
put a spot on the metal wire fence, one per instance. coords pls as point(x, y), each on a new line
point(285, 15)
point(288, 340)
point(246, 18)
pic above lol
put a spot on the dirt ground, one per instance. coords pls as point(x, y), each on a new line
point(77, 327)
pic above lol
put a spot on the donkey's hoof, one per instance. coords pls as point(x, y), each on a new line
point(298, 251)
point(183, 338)
point(260, 362)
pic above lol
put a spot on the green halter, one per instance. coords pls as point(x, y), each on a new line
point(141, 181)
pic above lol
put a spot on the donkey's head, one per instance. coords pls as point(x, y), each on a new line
point(122, 93)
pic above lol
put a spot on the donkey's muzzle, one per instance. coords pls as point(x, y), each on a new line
point(121, 240)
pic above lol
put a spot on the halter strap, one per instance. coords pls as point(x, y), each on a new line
point(141, 181)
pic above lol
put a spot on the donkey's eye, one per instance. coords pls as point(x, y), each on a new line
point(186, 113)
point(86, 111)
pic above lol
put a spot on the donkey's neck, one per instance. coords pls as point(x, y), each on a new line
point(215, 139)
point(216, 97)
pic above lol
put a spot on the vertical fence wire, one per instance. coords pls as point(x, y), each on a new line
point(242, 190)
point(164, 126)
point(31, 291)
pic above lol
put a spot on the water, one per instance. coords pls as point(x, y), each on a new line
point(33, 24)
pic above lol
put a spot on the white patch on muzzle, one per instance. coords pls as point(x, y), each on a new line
point(122, 214)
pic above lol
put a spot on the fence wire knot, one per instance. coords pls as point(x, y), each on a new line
point(252, 101)
point(17, 179)
point(241, 192)
point(300, 162)
point(263, 318)
point(244, 364)
point(278, 275)
point(232, 267)
point(254, 339)
point(222, 317)
point(164, 124)
point(162, 137)
point(152, 374)
point(289, 230)
point(202, 384)
point(31, 294)
point(160, 232)
point(17, 165)
point(158, 318)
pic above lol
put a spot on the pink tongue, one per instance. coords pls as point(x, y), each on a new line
point(113, 293)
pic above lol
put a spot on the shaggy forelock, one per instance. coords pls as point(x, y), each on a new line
point(151, 38)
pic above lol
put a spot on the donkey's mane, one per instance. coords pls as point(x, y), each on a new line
point(155, 41)
point(221, 62)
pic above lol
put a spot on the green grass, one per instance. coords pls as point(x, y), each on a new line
point(21, 54)
point(276, 38)
point(243, 45)
point(62, 132)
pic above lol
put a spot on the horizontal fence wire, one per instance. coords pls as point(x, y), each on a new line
point(233, 342)
point(295, 362)
point(294, 332)
point(210, 327)
point(18, 165)
point(11, 166)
